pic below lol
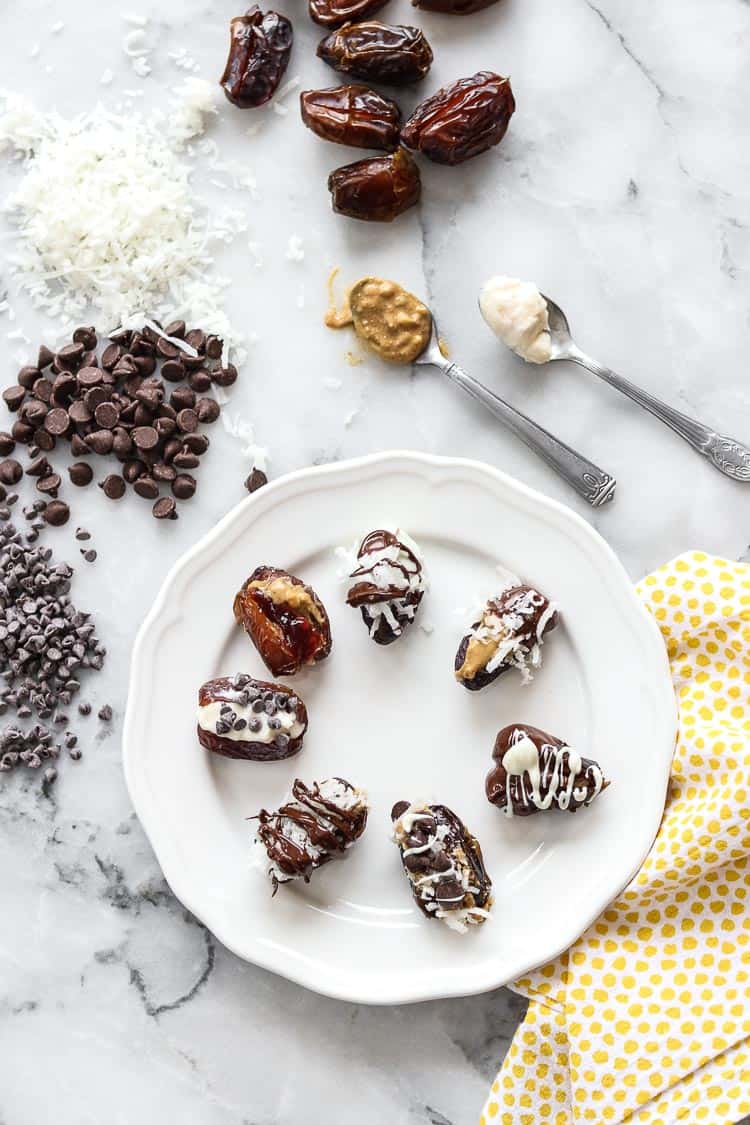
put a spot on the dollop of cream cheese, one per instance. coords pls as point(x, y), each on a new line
point(517, 313)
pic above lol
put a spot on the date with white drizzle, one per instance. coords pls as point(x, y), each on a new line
point(443, 863)
point(534, 772)
point(509, 634)
point(240, 717)
point(316, 823)
point(389, 583)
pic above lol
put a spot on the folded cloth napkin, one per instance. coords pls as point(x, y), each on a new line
point(646, 1019)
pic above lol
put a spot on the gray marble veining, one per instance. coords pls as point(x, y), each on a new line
point(621, 188)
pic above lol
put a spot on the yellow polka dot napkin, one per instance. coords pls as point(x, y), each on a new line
point(646, 1019)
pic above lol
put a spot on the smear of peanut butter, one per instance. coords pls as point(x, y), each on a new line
point(337, 316)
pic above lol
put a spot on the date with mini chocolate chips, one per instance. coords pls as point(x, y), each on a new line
point(255, 720)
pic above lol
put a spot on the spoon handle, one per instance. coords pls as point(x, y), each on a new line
point(589, 481)
point(727, 455)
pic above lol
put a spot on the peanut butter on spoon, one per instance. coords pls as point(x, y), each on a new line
point(390, 321)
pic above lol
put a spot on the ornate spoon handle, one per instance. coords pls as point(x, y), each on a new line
point(589, 481)
point(727, 455)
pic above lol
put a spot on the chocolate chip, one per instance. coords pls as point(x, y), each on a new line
point(95, 397)
point(186, 460)
point(196, 339)
point(13, 397)
point(184, 486)
point(207, 409)
point(45, 357)
point(57, 422)
point(50, 484)
point(132, 470)
point(105, 713)
point(34, 412)
point(113, 487)
point(160, 471)
point(175, 328)
point(56, 513)
point(79, 412)
point(121, 443)
point(147, 488)
point(10, 471)
point(89, 556)
point(100, 442)
point(187, 421)
point(86, 335)
point(106, 416)
point(78, 446)
point(46, 441)
point(63, 388)
point(82, 534)
point(42, 390)
point(89, 377)
point(27, 376)
point(199, 381)
point(173, 371)
point(165, 509)
point(256, 480)
point(196, 443)
point(225, 376)
point(7, 444)
point(166, 349)
point(214, 347)
point(80, 474)
point(182, 398)
point(145, 437)
point(70, 355)
point(22, 432)
point(39, 467)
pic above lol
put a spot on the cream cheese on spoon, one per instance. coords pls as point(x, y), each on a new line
point(517, 313)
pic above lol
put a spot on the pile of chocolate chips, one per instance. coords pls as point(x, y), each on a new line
point(118, 403)
point(45, 643)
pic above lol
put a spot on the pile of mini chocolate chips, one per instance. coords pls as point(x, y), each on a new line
point(117, 403)
point(45, 644)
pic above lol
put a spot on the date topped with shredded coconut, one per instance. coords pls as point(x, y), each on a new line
point(509, 634)
point(106, 216)
point(388, 581)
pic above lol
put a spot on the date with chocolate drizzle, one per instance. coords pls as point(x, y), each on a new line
point(534, 772)
point(509, 634)
point(443, 863)
point(257, 721)
point(315, 824)
point(389, 583)
point(284, 618)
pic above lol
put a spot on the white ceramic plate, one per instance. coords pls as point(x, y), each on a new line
point(394, 721)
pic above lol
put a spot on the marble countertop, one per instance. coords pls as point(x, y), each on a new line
point(621, 188)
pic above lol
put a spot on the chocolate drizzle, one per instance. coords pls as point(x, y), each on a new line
point(316, 824)
point(535, 771)
point(444, 864)
point(389, 584)
point(509, 634)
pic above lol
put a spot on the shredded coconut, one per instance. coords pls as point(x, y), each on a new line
point(106, 215)
point(295, 249)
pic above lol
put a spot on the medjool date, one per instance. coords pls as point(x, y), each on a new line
point(376, 189)
point(388, 583)
point(254, 720)
point(395, 55)
point(509, 634)
point(352, 115)
point(461, 120)
point(284, 618)
point(259, 49)
point(534, 772)
point(334, 13)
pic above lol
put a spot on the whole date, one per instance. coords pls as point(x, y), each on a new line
point(376, 189)
point(334, 13)
point(395, 55)
point(259, 48)
point(461, 120)
point(352, 115)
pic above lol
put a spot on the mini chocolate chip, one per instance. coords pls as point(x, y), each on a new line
point(147, 488)
point(89, 556)
point(22, 432)
point(70, 355)
point(165, 426)
point(122, 445)
point(13, 397)
point(86, 335)
point(56, 513)
point(39, 467)
point(184, 486)
point(175, 328)
point(80, 473)
point(166, 349)
point(113, 487)
point(105, 713)
point(225, 376)
point(95, 397)
point(33, 412)
point(7, 444)
point(63, 388)
point(89, 377)
point(214, 347)
point(145, 437)
point(197, 339)
point(10, 471)
point(173, 370)
point(46, 441)
point(207, 409)
point(160, 471)
point(84, 709)
point(57, 422)
point(82, 534)
point(182, 398)
point(186, 460)
point(165, 509)
point(196, 443)
point(199, 381)
point(256, 480)
point(171, 448)
point(78, 446)
point(132, 470)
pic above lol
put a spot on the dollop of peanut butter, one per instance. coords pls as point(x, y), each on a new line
point(283, 592)
point(391, 322)
point(478, 655)
point(337, 316)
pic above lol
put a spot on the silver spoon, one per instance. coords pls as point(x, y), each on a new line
point(589, 481)
point(727, 455)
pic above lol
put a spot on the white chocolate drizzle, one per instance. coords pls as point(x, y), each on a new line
point(506, 629)
point(556, 775)
point(396, 567)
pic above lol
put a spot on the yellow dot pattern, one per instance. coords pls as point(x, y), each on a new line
point(646, 1019)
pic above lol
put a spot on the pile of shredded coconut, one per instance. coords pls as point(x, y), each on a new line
point(106, 218)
